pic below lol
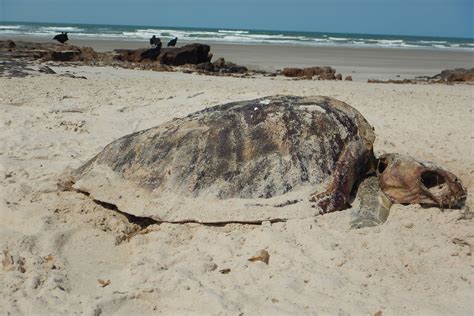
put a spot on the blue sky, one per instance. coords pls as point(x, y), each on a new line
point(403, 17)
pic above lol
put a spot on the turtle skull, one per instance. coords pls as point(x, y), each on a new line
point(407, 181)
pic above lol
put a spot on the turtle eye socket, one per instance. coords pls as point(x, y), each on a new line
point(431, 179)
point(381, 166)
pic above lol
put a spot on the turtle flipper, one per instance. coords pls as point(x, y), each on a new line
point(354, 163)
point(372, 206)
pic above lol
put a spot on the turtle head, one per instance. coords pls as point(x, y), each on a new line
point(407, 181)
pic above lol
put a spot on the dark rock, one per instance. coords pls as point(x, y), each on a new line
point(292, 72)
point(64, 55)
point(72, 53)
point(232, 68)
point(207, 66)
point(188, 54)
point(348, 78)
point(338, 77)
point(223, 67)
point(151, 53)
point(130, 55)
point(47, 51)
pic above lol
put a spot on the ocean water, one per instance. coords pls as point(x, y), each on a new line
point(142, 33)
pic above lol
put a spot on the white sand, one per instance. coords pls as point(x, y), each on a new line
point(419, 262)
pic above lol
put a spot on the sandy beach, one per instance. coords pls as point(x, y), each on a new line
point(73, 256)
point(361, 63)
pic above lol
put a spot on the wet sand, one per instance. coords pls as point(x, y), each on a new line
point(360, 63)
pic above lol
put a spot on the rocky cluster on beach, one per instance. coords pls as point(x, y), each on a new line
point(188, 54)
point(320, 73)
point(48, 52)
point(188, 58)
point(448, 76)
point(16, 58)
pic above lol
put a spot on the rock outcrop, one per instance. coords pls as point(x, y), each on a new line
point(321, 73)
point(47, 51)
point(456, 75)
point(448, 76)
point(222, 66)
point(188, 54)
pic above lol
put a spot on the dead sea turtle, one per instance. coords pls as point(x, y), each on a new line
point(248, 161)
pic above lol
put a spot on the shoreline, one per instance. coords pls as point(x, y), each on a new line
point(360, 63)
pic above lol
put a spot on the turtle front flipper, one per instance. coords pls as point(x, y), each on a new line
point(371, 206)
point(355, 162)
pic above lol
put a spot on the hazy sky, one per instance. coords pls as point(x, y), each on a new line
point(405, 17)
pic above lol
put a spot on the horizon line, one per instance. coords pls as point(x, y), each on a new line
point(232, 28)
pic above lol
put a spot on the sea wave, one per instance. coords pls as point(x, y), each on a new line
point(10, 27)
point(233, 32)
point(434, 42)
point(390, 42)
point(61, 28)
point(236, 36)
point(338, 38)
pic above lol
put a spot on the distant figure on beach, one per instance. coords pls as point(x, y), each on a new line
point(172, 43)
point(62, 38)
point(155, 41)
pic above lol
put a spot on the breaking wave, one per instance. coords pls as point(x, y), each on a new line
point(236, 36)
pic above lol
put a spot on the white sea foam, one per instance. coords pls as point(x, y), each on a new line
point(61, 28)
point(434, 42)
point(408, 45)
point(233, 36)
point(339, 38)
point(233, 32)
point(390, 42)
point(10, 27)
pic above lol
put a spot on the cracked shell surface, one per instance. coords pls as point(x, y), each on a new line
point(237, 162)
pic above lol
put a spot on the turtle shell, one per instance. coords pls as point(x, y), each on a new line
point(245, 161)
